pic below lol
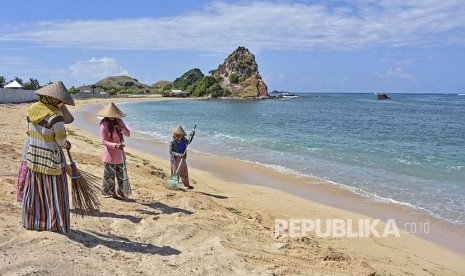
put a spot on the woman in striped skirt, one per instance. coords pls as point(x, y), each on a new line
point(45, 198)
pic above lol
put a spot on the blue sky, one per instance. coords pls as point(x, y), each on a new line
point(303, 46)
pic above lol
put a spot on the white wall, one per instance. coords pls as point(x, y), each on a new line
point(89, 95)
point(23, 96)
point(17, 95)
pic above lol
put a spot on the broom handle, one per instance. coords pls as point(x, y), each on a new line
point(123, 156)
point(69, 155)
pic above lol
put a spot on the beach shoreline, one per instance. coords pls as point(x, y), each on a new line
point(313, 189)
point(223, 227)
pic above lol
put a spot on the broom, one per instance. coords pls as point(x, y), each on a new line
point(173, 182)
point(84, 194)
point(126, 184)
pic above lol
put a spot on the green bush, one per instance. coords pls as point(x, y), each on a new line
point(73, 90)
point(234, 78)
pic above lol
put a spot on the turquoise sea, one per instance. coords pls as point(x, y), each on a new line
point(409, 150)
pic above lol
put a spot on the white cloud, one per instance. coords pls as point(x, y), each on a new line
point(221, 26)
point(14, 61)
point(89, 71)
point(396, 73)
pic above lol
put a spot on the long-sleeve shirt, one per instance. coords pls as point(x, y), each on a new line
point(177, 148)
point(112, 154)
point(46, 139)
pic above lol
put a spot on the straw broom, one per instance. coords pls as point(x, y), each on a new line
point(126, 184)
point(84, 194)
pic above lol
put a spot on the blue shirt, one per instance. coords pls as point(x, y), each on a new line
point(181, 146)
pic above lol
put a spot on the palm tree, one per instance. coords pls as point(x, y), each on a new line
point(19, 80)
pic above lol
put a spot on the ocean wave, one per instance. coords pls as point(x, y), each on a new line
point(455, 168)
point(157, 136)
point(376, 198)
point(406, 159)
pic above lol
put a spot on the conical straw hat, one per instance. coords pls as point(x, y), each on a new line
point(58, 91)
point(112, 111)
point(179, 130)
point(67, 116)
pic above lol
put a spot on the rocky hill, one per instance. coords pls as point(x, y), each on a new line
point(239, 74)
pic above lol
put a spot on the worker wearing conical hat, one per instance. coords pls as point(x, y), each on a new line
point(177, 149)
point(45, 203)
point(112, 131)
point(22, 171)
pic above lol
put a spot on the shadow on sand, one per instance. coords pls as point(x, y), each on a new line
point(93, 239)
point(212, 195)
point(165, 209)
point(132, 219)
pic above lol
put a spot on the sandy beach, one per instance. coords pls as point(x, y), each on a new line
point(225, 226)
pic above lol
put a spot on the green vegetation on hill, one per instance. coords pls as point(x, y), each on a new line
point(122, 85)
point(198, 85)
point(208, 86)
point(188, 79)
point(160, 85)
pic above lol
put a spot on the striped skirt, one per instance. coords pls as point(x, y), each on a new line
point(46, 202)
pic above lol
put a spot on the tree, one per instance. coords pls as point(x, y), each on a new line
point(217, 91)
point(32, 84)
point(167, 87)
point(188, 79)
point(233, 78)
point(73, 90)
point(2, 81)
point(93, 86)
point(20, 81)
point(129, 84)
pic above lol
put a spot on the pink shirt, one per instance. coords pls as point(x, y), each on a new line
point(112, 154)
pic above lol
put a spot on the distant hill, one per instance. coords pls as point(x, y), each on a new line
point(237, 77)
point(159, 85)
point(122, 85)
point(187, 79)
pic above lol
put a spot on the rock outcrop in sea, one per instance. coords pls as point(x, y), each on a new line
point(239, 74)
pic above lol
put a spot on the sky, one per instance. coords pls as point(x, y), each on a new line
point(393, 46)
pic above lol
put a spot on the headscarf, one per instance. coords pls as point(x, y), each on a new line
point(46, 106)
point(111, 125)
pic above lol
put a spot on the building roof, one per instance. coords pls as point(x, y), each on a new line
point(14, 84)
